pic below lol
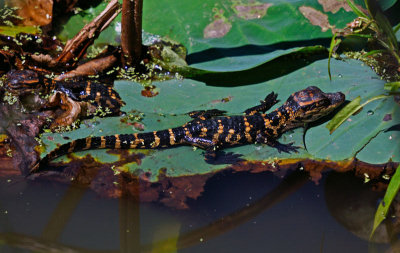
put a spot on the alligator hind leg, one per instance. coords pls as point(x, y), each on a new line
point(206, 114)
point(287, 148)
point(200, 142)
point(266, 104)
point(212, 155)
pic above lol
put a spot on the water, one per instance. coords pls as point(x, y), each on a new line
point(240, 212)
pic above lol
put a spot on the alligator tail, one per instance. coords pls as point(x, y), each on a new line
point(149, 140)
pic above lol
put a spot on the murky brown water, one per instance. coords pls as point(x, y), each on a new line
point(239, 212)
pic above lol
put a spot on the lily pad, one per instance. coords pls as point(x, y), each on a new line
point(177, 97)
point(227, 35)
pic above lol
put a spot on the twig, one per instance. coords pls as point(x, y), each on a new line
point(76, 47)
point(92, 67)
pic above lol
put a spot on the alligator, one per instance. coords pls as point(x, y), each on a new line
point(22, 82)
point(212, 131)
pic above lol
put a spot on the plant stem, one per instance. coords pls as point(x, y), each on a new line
point(131, 32)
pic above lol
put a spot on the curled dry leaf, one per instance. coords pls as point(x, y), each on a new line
point(71, 110)
point(44, 59)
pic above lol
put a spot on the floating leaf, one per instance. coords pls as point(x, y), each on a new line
point(177, 97)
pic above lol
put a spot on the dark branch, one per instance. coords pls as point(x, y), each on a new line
point(76, 47)
point(131, 34)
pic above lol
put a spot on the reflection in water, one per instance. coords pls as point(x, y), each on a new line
point(237, 212)
point(353, 204)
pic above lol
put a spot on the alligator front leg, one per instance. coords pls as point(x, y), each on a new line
point(287, 148)
point(266, 104)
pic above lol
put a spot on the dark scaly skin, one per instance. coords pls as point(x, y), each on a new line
point(210, 131)
point(23, 82)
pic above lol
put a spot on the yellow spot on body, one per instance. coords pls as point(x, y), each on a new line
point(267, 123)
point(171, 137)
point(238, 137)
point(231, 131)
point(247, 129)
point(71, 146)
point(111, 93)
point(248, 137)
point(220, 127)
point(103, 142)
point(187, 133)
point(132, 144)
point(137, 140)
point(88, 142)
point(228, 138)
point(204, 129)
point(156, 140)
point(98, 96)
point(117, 141)
point(88, 88)
point(215, 137)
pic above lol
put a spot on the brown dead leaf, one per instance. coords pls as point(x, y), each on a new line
point(33, 12)
point(316, 18)
point(217, 29)
point(72, 110)
point(252, 11)
point(334, 5)
point(17, 145)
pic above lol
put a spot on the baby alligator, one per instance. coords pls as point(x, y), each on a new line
point(23, 82)
point(211, 131)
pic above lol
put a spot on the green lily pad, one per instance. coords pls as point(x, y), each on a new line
point(283, 21)
point(177, 97)
point(249, 33)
